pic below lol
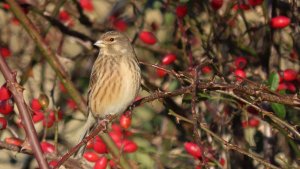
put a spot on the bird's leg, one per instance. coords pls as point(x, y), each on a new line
point(104, 123)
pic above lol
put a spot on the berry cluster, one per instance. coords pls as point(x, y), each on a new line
point(196, 151)
point(97, 151)
point(6, 105)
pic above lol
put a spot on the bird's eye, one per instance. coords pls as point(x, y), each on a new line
point(111, 39)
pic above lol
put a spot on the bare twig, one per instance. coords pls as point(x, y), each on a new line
point(228, 145)
point(236, 148)
point(14, 148)
point(224, 89)
point(265, 113)
point(196, 115)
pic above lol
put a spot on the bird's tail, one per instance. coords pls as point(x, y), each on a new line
point(87, 128)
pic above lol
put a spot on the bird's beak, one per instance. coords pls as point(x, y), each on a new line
point(99, 43)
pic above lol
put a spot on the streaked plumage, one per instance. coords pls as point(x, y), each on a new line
point(115, 79)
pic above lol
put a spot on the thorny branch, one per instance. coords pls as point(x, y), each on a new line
point(14, 148)
point(228, 145)
point(25, 115)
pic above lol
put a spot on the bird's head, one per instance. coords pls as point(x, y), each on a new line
point(114, 43)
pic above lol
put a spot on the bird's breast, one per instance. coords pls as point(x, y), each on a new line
point(117, 91)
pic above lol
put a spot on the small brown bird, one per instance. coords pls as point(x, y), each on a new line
point(114, 82)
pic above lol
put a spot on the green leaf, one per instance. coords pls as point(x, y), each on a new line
point(169, 18)
point(184, 1)
point(273, 81)
point(143, 159)
point(157, 5)
point(187, 98)
point(279, 109)
point(173, 85)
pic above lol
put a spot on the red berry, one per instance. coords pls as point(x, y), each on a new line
point(240, 62)
point(289, 75)
point(281, 86)
point(66, 19)
point(37, 116)
point(181, 11)
point(116, 128)
point(241, 7)
point(120, 25)
point(125, 121)
point(53, 163)
point(13, 141)
point(91, 156)
point(112, 163)
point(255, 2)
point(280, 22)
point(52, 116)
point(253, 122)
point(48, 122)
point(128, 133)
point(101, 163)
point(5, 6)
point(62, 88)
point(244, 124)
point(6, 107)
point(99, 146)
point(5, 52)
point(294, 54)
point(35, 105)
point(193, 149)
point(90, 144)
point(47, 147)
point(198, 167)
point(64, 16)
point(87, 5)
point(147, 37)
point(216, 4)
point(206, 70)
point(129, 146)
point(4, 93)
point(3, 123)
point(160, 72)
point(15, 21)
point(222, 161)
point(116, 136)
point(71, 104)
point(240, 74)
point(169, 59)
point(291, 87)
